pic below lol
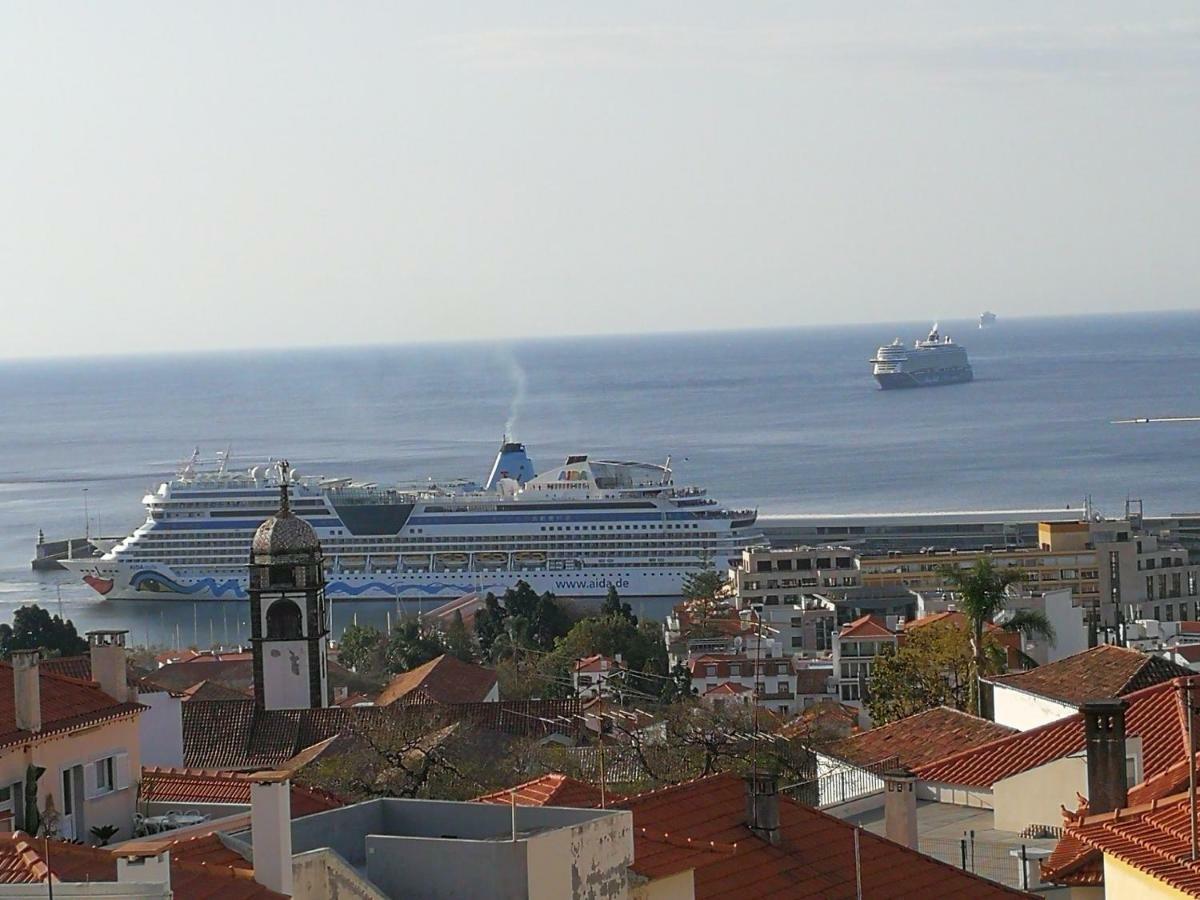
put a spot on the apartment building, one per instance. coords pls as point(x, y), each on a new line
point(854, 650)
point(779, 577)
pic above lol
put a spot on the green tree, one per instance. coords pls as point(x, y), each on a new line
point(35, 629)
point(458, 641)
point(489, 625)
point(521, 620)
point(410, 645)
point(678, 686)
point(932, 668)
point(614, 606)
point(361, 648)
point(982, 596)
point(704, 585)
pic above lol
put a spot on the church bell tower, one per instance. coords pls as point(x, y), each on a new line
point(288, 620)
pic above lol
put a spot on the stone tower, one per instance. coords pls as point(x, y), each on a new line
point(288, 621)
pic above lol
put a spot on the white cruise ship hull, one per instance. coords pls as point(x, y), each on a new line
point(576, 531)
point(121, 581)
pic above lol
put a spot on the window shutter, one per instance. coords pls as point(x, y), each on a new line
point(89, 780)
point(121, 771)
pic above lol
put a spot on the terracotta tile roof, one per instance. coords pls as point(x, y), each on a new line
point(701, 825)
point(596, 663)
point(948, 617)
point(1153, 838)
point(441, 680)
point(1190, 652)
point(1155, 714)
point(828, 716)
point(723, 663)
point(168, 785)
point(234, 671)
point(726, 689)
point(1076, 863)
point(235, 735)
point(80, 668)
point(551, 790)
point(67, 704)
point(207, 691)
point(916, 740)
point(22, 861)
point(1100, 673)
point(865, 627)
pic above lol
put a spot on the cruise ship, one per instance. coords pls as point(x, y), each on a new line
point(575, 530)
point(933, 361)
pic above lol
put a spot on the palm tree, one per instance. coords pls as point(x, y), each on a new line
point(982, 595)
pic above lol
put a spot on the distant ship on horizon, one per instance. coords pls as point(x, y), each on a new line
point(987, 319)
point(934, 361)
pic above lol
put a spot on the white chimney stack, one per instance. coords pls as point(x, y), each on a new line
point(271, 830)
point(900, 807)
point(27, 689)
point(107, 649)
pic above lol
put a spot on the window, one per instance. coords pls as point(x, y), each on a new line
point(283, 621)
point(105, 776)
point(7, 813)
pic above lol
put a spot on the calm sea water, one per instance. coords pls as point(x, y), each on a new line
point(788, 421)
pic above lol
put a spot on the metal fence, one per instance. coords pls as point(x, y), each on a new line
point(842, 785)
point(1006, 864)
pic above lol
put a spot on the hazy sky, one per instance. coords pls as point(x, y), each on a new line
point(206, 175)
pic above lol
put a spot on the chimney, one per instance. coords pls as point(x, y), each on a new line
point(1104, 729)
point(271, 830)
point(900, 807)
point(27, 689)
point(144, 866)
point(762, 805)
point(107, 649)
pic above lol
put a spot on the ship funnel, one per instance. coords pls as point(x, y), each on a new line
point(511, 462)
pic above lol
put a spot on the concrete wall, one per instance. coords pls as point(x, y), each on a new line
point(980, 798)
point(681, 886)
point(323, 875)
point(1036, 797)
point(1023, 711)
point(447, 868)
point(599, 853)
point(160, 730)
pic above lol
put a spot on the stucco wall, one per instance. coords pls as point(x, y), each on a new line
point(160, 730)
point(323, 875)
point(957, 796)
point(589, 860)
point(681, 886)
point(1123, 882)
point(1037, 797)
point(55, 754)
point(1023, 711)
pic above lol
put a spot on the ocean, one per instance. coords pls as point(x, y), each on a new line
point(786, 420)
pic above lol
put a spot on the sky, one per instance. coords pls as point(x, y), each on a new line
point(193, 176)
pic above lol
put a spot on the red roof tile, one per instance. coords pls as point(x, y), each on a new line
point(441, 680)
point(23, 861)
point(551, 790)
point(182, 786)
point(1155, 714)
point(596, 663)
point(865, 627)
point(206, 691)
point(1153, 838)
point(1100, 673)
point(701, 825)
point(916, 740)
point(67, 704)
point(727, 689)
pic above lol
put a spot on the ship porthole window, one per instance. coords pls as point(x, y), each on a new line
point(284, 621)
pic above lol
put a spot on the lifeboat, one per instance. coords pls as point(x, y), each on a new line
point(491, 560)
point(452, 560)
point(418, 561)
point(383, 562)
point(529, 558)
point(352, 563)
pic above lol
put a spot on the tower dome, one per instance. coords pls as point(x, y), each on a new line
point(284, 533)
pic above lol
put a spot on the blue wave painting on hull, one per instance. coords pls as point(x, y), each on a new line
point(156, 583)
point(340, 587)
